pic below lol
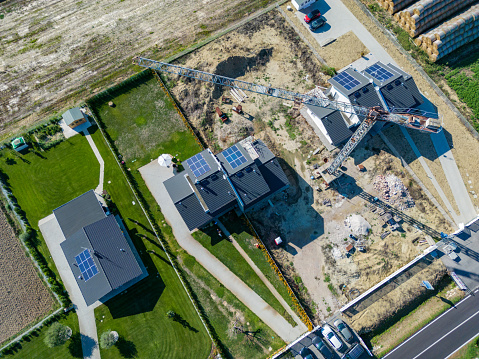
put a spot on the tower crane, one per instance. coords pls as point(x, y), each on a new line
point(411, 118)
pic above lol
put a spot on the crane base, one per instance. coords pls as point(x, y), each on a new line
point(327, 177)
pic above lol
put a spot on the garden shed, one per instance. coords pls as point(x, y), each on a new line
point(74, 117)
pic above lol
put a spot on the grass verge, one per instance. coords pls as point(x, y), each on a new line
point(469, 351)
point(403, 325)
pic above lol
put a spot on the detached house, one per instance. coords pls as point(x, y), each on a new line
point(239, 177)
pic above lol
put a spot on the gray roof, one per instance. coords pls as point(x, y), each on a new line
point(98, 285)
point(274, 176)
point(365, 96)
point(178, 188)
point(363, 81)
point(216, 191)
point(334, 123)
point(108, 241)
point(264, 153)
point(250, 184)
point(72, 115)
point(208, 157)
point(78, 213)
point(227, 166)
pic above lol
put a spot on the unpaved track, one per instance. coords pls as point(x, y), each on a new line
point(53, 52)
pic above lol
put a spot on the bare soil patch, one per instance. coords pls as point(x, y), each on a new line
point(343, 51)
point(24, 297)
point(55, 53)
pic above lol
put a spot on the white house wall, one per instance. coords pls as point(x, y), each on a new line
point(320, 125)
point(301, 4)
point(338, 96)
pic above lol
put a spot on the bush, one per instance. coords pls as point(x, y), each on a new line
point(107, 339)
point(171, 314)
point(57, 335)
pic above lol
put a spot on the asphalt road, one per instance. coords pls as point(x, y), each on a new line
point(443, 336)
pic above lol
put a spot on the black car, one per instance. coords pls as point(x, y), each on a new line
point(322, 347)
point(316, 24)
point(305, 353)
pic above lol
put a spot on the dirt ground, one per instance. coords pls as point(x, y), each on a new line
point(24, 297)
point(53, 54)
point(264, 52)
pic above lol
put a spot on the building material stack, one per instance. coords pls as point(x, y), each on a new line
point(426, 13)
point(395, 5)
point(451, 35)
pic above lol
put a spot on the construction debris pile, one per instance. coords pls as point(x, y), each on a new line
point(393, 191)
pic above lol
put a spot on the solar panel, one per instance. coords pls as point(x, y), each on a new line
point(198, 165)
point(346, 80)
point(87, 267)
point(379, 72)
point(234, 157)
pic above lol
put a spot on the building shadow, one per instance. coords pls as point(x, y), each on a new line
point(322, 6)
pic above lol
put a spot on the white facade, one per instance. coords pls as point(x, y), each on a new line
point(319, 123)
point(338, 96)
point(301, 4)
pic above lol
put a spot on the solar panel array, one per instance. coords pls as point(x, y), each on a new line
point(87, 267)
point(198, 165)
point(234, 157)
point(346, 80)
point(379, 72)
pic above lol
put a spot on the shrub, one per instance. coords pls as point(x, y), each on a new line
point(107, 339)
point(57, 335)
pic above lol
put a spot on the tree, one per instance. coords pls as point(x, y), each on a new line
point(108, 339)
point(171, 314)
point(57, 335)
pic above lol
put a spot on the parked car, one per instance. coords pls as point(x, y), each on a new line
point(311, 16)
point(316, 24)
point(322, 347)
point(328, 333)
point(305, 353)
point(343, 329)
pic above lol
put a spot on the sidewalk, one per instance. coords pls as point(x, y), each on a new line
point(154, 175)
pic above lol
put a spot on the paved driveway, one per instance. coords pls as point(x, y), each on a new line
point(340, 21)
point(154, 175)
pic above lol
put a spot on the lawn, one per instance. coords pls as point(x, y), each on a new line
point(139, 316)
point(144, 123)
point(35, 348)
point(43, 181)
point(230, 257)
point(224, 309)
point(246, 240)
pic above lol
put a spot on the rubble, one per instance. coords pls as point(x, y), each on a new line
point(393, 191)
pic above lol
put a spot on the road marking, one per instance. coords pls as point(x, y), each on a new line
point(445, 335)
point(467, 342)
point(412, 336)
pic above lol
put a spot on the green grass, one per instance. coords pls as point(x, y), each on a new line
point(43, 181)
point(223, 309)
point(144, 124)
point(470, 351)
point(35, 348)
point(230, 257)
point(245, 239)
point(139, 316)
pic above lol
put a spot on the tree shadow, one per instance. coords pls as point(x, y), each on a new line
point(74, 347)
point(126, 348)
point(87, 344)
point(178, 318)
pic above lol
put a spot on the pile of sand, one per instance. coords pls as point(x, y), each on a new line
point(358, 225)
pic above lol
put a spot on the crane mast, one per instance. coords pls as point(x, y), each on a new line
point(402, 117)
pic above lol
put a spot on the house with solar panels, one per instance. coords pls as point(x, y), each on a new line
point(240, 177)
point(377, 84)
point(99, 252)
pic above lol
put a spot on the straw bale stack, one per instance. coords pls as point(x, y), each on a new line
point(395, 5)
point(451, 35)
point(424, 14)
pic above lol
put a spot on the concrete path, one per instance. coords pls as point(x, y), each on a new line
point(262, 277)
point(154, 175)
point(453, 176)
point(430, 175)
point(99, 188)
point(340, 21)
point(69, 132)
point(86, 316)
